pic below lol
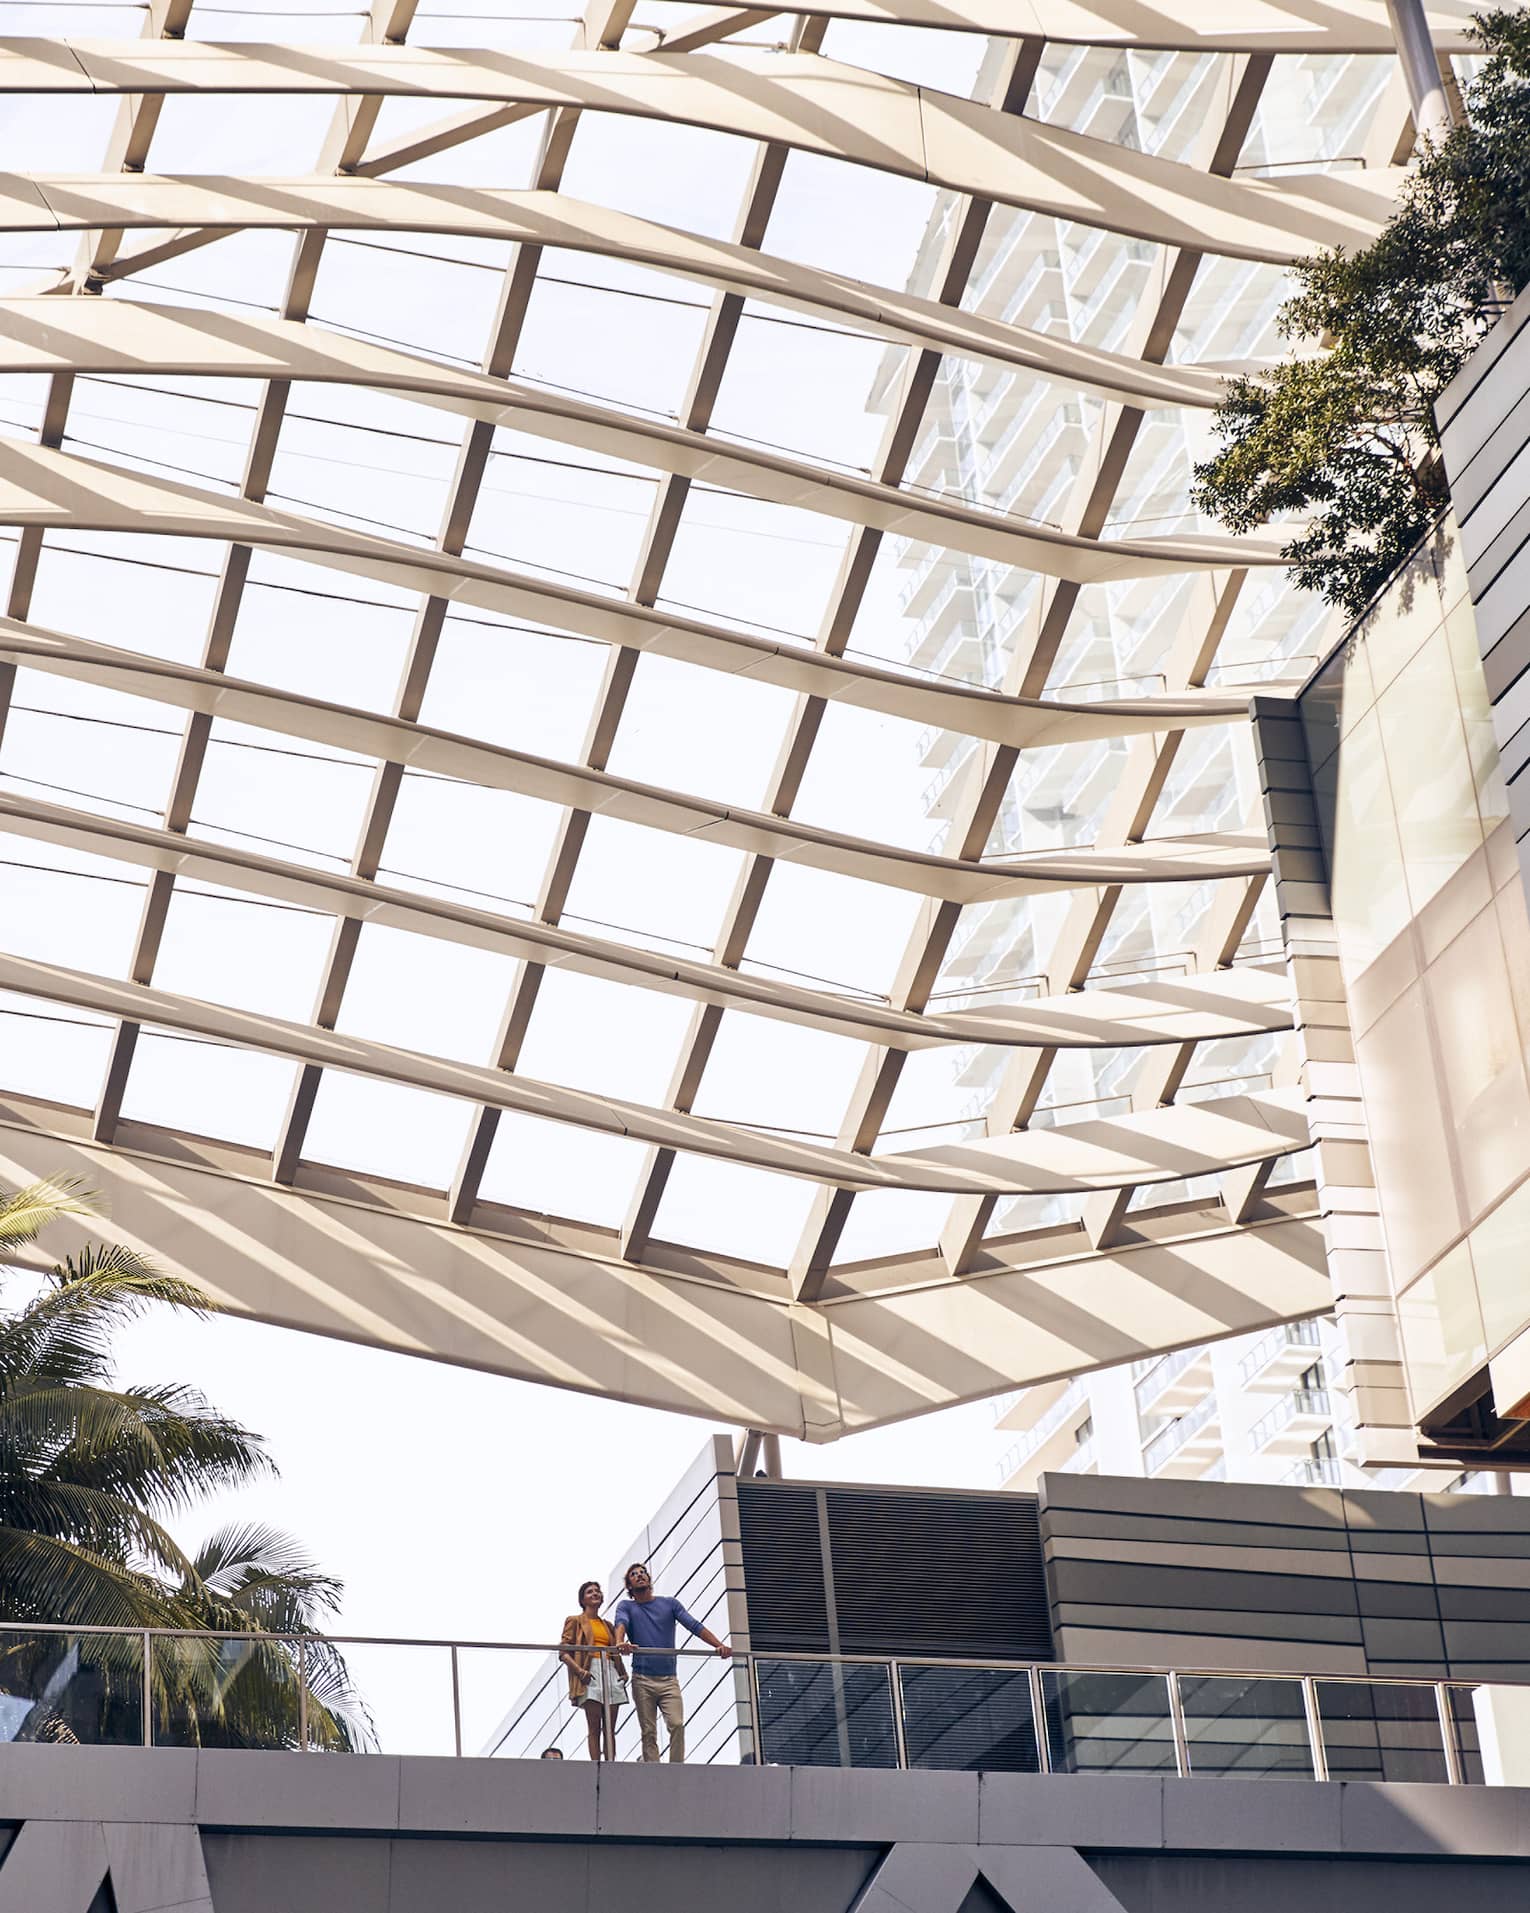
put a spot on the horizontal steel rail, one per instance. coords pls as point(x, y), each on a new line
point(1045, 1699)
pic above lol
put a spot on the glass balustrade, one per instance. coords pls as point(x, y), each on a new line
point(72, 1688)
point(1100, 1722)
point(1378, 1731)
point(127, 1687)
point(826, 1713)
point(1246, 1725)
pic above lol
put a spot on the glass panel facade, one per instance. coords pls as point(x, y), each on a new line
point(1434, 942)
point(1236, 1725)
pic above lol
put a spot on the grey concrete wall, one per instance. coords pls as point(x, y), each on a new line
point(1484, 420)
point(1300, 1580)
point(180, 1832)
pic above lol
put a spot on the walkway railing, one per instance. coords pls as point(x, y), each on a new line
point(163, 1688)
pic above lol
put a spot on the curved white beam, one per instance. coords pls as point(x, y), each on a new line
point(47, 203)
point(397, 740)
point(704, 1337)
point(1191, 26)
point(58, 490)
point(1199, 1009)
point(1164, 1145)
point(61, 491)
point(799, 101)
point(118, 337)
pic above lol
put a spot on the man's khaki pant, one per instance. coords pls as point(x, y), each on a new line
point(652, 1697)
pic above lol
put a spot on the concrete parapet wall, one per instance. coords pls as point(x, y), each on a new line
point(225, 1832)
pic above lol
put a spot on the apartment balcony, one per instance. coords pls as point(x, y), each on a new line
point(1019, 1411)
point(1050, 1442)
point(1190, 1444)
point(1019, 453)
point(1174, 1382)
point(1293, 1423)
point(1277, 1359)
point(937, 597)
point(1316, 1471)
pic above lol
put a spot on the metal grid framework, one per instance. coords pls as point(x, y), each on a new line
point(788, 76)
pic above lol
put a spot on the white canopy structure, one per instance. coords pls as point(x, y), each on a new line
point(623, 761)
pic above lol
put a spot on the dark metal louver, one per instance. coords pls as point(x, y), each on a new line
point(783, 1568)
point(912, 1572)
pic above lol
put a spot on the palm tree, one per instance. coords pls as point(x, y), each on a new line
point(90, 1472)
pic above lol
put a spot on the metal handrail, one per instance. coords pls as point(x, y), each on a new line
point(741, 1654)
point(1046, 1694)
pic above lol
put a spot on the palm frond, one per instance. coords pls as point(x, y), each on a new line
point(24, 1215)
point(168, 1449)
point(49, 1579)
point(122, 1278)
point(98, 1520)
point(87, 1469)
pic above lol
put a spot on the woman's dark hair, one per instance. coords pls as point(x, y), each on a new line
point(584, 1587)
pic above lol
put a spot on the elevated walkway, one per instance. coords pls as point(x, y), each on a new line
point(169, 1831)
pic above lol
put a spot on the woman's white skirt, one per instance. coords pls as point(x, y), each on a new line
point(606, 1688)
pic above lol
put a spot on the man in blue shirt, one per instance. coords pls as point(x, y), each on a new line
point(645, 1623)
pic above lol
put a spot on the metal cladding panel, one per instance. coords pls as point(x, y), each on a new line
point(1485, 436)
point(1288, 1579)
point(911, 1573)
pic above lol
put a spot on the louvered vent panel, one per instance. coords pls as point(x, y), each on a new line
point(783, 1568)
point(938, 1574)
point(915, 1573)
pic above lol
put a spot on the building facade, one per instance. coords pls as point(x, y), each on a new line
point(1389, 795)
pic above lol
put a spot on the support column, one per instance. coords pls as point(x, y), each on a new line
point(1432, 117)
point(1372, 1376)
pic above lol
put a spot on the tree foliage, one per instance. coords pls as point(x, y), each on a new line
point(1344, 435)
point(90, 1474)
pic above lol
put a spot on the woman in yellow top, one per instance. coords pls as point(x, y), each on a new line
point(596, 1682)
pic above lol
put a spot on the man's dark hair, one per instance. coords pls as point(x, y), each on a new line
point(627, 1577)
point(551, 1753)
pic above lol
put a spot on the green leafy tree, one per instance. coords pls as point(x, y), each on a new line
point(91, 1472)
point(1344, 434)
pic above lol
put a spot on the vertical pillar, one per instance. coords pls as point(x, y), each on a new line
point(1372, 1374)
point(1432, 117)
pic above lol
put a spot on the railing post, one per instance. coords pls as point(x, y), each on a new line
point(148, 1688)
point(1039, 1721)
point(1448, 1734)
point(1314, 1728)
point(900, 1734)
point(1177, 1725)
point(303, 1696)
point(456, 1704)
